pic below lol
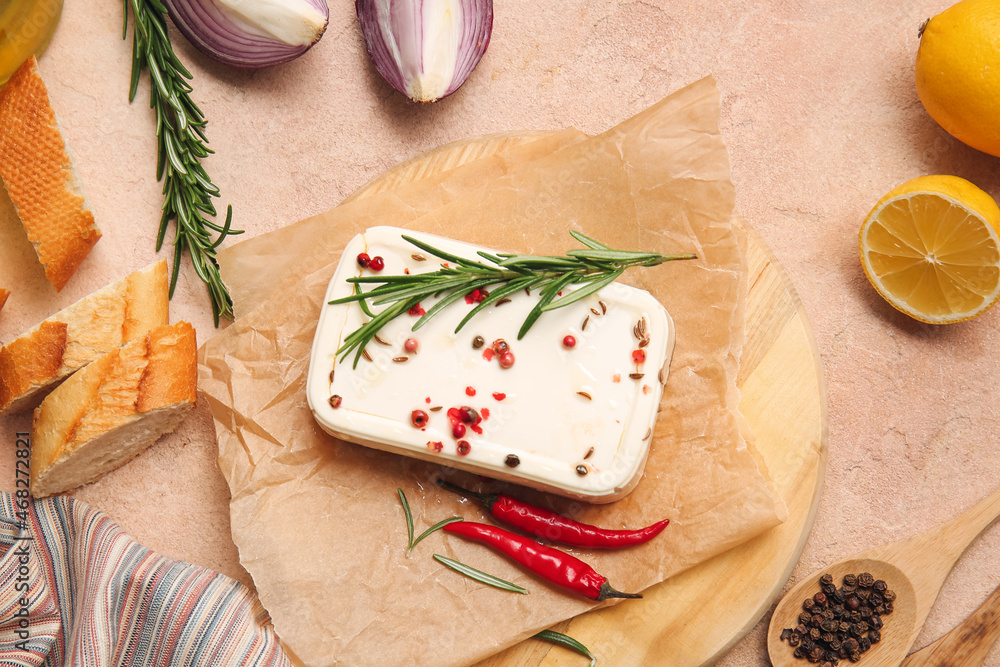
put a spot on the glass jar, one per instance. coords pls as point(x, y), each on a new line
point(26, 26)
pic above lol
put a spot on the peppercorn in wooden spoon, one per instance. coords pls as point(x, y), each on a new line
point(914, 569)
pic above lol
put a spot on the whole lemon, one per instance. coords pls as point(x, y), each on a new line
point(958, 72)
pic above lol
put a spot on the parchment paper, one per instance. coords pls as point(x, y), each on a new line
point(317, 521)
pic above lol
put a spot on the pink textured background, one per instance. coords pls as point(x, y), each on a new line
point(821, 119)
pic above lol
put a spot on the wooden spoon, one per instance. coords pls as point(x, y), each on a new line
point(915, 568)
point(968, 644)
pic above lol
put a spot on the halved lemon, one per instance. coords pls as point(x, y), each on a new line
point(931, 248)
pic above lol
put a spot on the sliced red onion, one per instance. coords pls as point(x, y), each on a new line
point(426, 49)
point(251, 33)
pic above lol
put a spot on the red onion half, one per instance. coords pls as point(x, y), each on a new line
point(426, 49)
point(251, 33)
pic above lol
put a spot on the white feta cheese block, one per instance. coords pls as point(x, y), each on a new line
point(576, 421)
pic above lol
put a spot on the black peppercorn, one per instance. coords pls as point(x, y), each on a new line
point(840, 623)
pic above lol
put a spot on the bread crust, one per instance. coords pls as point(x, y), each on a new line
point(40, 179)
point(126, 310)
point(142, 389)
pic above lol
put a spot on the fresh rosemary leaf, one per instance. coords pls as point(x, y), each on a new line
point(547, 294)
point(479, 576)
point(438, 526)
point(515, 286)
point(614, 255)
point(536, 262)
point(568, 642)
point(409, 519)
point(362, 302)
point(587, 241)
point(583, 292)
point(181, 144)
point(446, 256)
point(449, 299)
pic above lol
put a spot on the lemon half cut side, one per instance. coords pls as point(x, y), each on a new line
point(931, 248)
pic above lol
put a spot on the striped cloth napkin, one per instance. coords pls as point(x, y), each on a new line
point(76, 590)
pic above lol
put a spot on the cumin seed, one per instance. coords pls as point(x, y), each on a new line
point(365, 354)
point(502, 301)
point(637, 376)
point(604, 307)
point(419, 258)
point(382, 342)
point(586, 320)
point(585, 395)
point(400, 360)
point(590, 452)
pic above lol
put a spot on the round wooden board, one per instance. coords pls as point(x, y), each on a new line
point(695, 617)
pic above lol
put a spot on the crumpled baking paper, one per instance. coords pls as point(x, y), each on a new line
point(317, 521)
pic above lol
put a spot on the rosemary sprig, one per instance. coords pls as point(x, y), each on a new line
point(594, 267)
point(479, 575)
point(408, 514)
point(181, 145)
point(567, 641)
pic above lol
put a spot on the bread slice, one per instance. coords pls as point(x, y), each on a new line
point(40, 178)
point(113, 409)
point(43, 356)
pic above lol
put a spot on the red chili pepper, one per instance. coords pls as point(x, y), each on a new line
point(555, 527)
point(560, 568)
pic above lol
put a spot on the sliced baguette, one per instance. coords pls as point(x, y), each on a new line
point(40, 178)
point(113, 409)
point(43, 356)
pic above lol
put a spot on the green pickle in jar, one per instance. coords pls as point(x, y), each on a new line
point(26, 26)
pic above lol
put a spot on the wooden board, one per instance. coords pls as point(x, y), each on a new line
point(695, 617)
